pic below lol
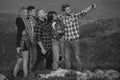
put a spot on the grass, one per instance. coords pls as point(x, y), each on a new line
point(99, 47)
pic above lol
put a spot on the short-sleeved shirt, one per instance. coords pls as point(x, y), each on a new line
point(30, 29)
point(57, 29)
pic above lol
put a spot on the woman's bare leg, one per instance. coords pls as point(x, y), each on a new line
point(16, 69)
point(25, 63)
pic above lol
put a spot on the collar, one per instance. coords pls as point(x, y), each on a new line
point(31, 17)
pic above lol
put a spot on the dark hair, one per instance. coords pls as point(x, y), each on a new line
point(64, 6)
point(50, 16)
point(30, 8)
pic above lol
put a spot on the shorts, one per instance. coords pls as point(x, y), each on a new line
point(25, 46)
point(24, 43)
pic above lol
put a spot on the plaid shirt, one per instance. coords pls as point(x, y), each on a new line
point(57, 29)
point(43, 34)
point(71, 25)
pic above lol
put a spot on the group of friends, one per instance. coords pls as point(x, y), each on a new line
point(49, 35)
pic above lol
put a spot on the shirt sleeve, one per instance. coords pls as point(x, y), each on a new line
point(38, 32)
point(20, 28)
point(80, 14)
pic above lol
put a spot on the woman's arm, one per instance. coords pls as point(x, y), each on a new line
point(20, 28)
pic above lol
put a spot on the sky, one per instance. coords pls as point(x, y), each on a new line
point(105, 8)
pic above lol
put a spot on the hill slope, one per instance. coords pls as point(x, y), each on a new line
point(100, 43)
point(7, 41)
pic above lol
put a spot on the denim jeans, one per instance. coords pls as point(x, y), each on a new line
point(72, 53)
point(57, 48)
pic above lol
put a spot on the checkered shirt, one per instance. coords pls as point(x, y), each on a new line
point(58, 29)
point(71, 24)
point(30, 28)
point(44, 35)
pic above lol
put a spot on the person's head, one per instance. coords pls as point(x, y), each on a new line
point(23, 12)
point(31, 11)
point(41, 13)
point(66, 9)
point(52, 15)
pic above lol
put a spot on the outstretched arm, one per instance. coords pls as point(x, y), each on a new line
point(93, 6)
point(85, 11)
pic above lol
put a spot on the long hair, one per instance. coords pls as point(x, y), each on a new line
point(20, 13)
point(23, 16)
point(50, 16)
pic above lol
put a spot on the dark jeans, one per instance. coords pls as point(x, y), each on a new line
point(72, 53)
point(40, 60)
point(49, 59)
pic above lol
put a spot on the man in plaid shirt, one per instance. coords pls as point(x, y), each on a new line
point(44, 37)
point(71, 22)
point(30, 33)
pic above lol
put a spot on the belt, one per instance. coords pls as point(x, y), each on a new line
point(74, 39)
point(55, 38)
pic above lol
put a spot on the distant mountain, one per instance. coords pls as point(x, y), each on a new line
point(7, 22)
point(7, 16)
point(7, 39)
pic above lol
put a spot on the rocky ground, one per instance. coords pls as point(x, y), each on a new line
point(63, 74)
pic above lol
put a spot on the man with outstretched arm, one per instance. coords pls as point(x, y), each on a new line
point(71, 22)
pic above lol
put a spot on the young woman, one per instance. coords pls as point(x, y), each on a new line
point(22, 47)
point(57, 38)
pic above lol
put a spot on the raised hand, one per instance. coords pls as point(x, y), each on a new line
point(93, 5)
point(43, 51)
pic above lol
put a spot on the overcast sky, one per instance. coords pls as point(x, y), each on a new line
point(107, 8)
